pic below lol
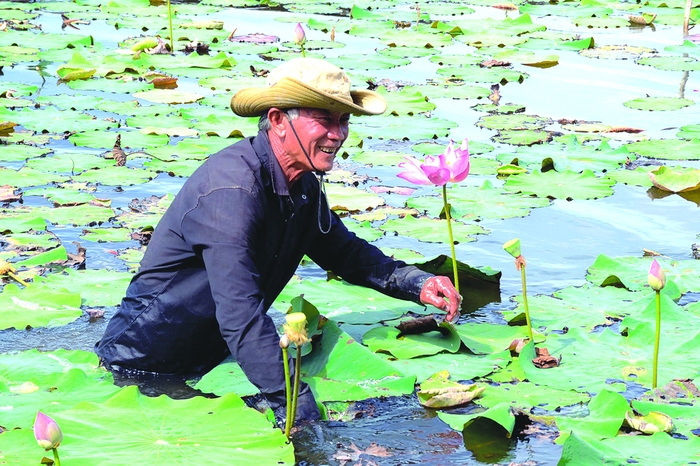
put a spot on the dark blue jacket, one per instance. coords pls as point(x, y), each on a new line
point(221, 254)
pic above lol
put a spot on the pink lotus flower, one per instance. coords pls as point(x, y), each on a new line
point(656, 277)
point(299, 35)
point(450, 166)
point(46, 431)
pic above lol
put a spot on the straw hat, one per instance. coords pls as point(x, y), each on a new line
point(310, 83)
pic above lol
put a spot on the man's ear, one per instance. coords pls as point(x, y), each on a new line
point(277, 119)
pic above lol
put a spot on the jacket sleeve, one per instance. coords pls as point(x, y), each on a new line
point(227, 244)
point(361, 263)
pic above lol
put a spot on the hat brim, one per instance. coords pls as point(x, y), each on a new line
point(293, 93)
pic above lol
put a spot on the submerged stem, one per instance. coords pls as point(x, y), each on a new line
point(527, 310)
point(288, 391)
point(452, 241)
point(297, 377)
point(657, 340)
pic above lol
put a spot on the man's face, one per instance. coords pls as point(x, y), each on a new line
point(321, 133)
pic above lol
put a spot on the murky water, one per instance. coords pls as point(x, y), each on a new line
point(560, 241)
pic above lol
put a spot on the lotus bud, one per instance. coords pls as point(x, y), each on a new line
point(512, 247)
point(295, 328)
point(284, 341)
point(47, 433)
point(656, 277)
point(299, 35)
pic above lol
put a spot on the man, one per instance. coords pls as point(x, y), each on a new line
point(238, 229)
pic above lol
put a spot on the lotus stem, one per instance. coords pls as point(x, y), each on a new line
point(170, 23)
point(527, 310)
point(287, 391)
point(303, 52)
point(19, 280)
point(297, 377)
point(56, 459)
point(657, 340)
point(452, 241)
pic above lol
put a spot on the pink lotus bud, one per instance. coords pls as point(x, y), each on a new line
point(47, 433)
point(299, 35)
point(656, 277)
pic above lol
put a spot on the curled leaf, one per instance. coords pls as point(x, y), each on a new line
point(651, 423)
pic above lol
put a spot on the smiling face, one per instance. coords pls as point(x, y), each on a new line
point(320, 133)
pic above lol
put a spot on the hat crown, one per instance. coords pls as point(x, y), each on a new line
point(318, 74)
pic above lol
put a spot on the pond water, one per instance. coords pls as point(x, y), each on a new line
point(560, 241)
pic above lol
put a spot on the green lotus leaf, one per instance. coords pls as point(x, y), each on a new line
point(69, 215)
point(364, 230)
point(49, 41)
point(167, 62)
point(182, 168)
point(631, 272)
point(408, 52)
point(351, 199)
point(688, 47)
point(523, 137)
point(675, 180)
point(341, 369)
point(527, 396)
point(457, 60)
point(31, 240)
point(637, 177)
point(606, 22)
point(585, 307)
point(19, 222)
point(435, 148)
point(106, 235)
point(569, 10)
point(683, 410)
point(402, 127)
point(486, 32)
point(527, 57)
point(450, 91)
point(160, 431)
point(390, 339)
point(37, 306)
point(63, 197)
point(53, 120)
point(658, 103)
point(667, 149)
point(606, 413)
point(462, 365)
point(566, 185)
point(689, 132)
point(111, 84)
point(558, 44)
point(675, 318)
point(483, 75)
point(624, 449)
point(501, 414)
point(485, 202)
point(570, 156)
point(433, 230)
point(369, 62)
point(62, 389)
point(130, 140)
point(627, 358)
point(171, 121)
point(343, 302)
point(485, 338)
point(227, 377)
point(168, 96)
point(96, 287)
point(668, 63)
point(20, 153)
point(513, 122)
point(405, 102)
point(507, 109)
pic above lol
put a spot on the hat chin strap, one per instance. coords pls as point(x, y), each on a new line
point(321, 185)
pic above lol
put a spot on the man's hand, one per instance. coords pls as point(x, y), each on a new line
point(434, 292)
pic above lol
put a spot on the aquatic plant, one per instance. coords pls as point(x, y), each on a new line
point(300, 38)
point(657, 281)
point(512, 247)
point(294, 332)
point(7, 269)
point(450, 166)
point(48, 435)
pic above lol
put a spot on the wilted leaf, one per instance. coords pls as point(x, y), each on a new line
point(651, 423)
